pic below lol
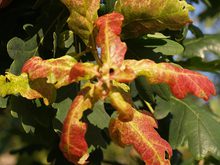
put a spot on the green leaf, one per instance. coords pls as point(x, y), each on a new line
point(162, 109)
point(3, 102)
point(197, 63)
point(20, 51)
point(31, 117)
point(195, 125)
point(214, 105)
point(152, 16)
point(169, 48)
point(65, 39)
point(144, 89)
point(62, 108)
point(200, 46)
point(162, 90)
point(157, 35)
point(94, 138)
point(147, 90)
point(99, 117)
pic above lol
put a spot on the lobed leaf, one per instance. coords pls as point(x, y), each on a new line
point(148, 16)
point(82, 16)
point(181, 81)
point(73, 143)
point(13, 85)
point(193, 124)
point(55, 70)
point(141, 133)
point(20, 51)
point(108, 39)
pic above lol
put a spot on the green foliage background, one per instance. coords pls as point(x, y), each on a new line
point(30, 130)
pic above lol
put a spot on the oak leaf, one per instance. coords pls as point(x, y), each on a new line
point(148, 16)
point(73, 143)
point(82, 16)
point(55, 70)
point(181, 81)
point(141, 133)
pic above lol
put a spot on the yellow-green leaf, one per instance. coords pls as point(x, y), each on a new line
point(148, 16)
point(13, 85)
point(83, 14)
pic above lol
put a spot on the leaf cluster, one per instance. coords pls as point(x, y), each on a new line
point(82, 75)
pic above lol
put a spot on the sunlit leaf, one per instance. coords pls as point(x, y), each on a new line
point(108, 39)
point(169, 48)
point(151, 16)
point(141, 133)
point(13, 85)
point(55, 70)
point(193, 124)
point(82, 16)
point(73, 143)
point(181, 81)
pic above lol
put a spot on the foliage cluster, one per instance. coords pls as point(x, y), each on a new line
point(86, 73)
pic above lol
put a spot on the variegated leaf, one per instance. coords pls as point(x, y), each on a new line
point(148, 16)
point(82, 16)
point(108, 39)
point(55, 70)
point(141, 133)
point(181, 81)
point(73, 143)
